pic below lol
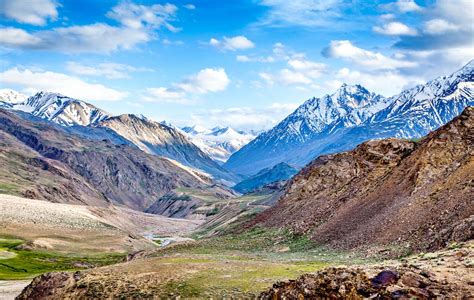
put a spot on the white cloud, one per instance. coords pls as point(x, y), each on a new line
point(233, 43)
point(34, 81)
point(205, 81)
point(34, 12)
point(262, 59)
point(439, 26)
point(403, 6)
point(309, 68)
point(301, 71)
point(107, 70)
point(162, 94)
point(244, 118)
point(138, 16)
point(386, 82)
point(395, 28)
point(138, 25)
point(14, 37)
point(365, 58)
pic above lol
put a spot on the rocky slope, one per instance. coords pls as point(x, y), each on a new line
point(279, 172)
point(310, 132)
point(41, 160)
point(155, 138)
point(396, 194)
point(219, 143)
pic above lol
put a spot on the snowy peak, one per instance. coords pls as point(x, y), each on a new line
point(196, 129)
point(61, 109)
point(11, 96)
point(219, 142)
point(353, 115)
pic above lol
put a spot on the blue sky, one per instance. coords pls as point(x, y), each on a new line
point(244, 63)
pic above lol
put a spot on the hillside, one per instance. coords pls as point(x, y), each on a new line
point(44, 161)
point(279, 172)
point(389, 193)
point(155, 138)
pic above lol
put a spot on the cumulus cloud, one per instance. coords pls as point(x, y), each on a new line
point(445, 27)
point(34, 81)
point(395, 28)
point(138, 16)
point(301, 71)
point(232, 43)
point(107, 70)
point(403, 6)
point(162, 94)
point(439, 26)
point(385, 82)
point(14, 37)
point(137, 25)
point(365, 58)
point(207, 80)
point(34, 12)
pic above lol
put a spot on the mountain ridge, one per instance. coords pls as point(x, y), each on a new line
point(410, 114)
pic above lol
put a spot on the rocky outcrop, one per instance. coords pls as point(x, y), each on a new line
point(394, 193)
point(437, 275)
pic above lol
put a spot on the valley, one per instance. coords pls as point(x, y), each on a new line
point(100, 206)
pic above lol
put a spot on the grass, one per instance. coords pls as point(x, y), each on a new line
point(29, 263)
point(7, 188)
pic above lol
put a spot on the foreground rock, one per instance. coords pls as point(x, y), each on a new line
point(445, 274)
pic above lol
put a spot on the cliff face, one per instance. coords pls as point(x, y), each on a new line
point(415, 195)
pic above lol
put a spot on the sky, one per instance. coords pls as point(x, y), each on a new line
point(240, 63)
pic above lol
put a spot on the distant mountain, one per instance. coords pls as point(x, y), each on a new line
point(41, 160)
point(61, 109)
point(219, 142)
point(396, 194)
point(9, 97)
point(155, 138)
point(324, 125)
point(279, 172)
point(349, 106)
point(132, 130)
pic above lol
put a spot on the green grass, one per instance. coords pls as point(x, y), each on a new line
point(7, 188)
point(27, 264)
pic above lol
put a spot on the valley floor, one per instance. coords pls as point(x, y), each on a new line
point(87, 248)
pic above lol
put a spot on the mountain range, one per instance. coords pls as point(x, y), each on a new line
point(147, 135)
point(399, 194)
point(42, 160)
point(219, 142)
point(352, 115)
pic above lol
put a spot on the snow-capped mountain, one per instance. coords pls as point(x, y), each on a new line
point(349, 106)
point(147, 135)
point(61, 109)
point(424, 108)
point(308, 133)
point(155, 138)
point(219, 142)
point(10, 97)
